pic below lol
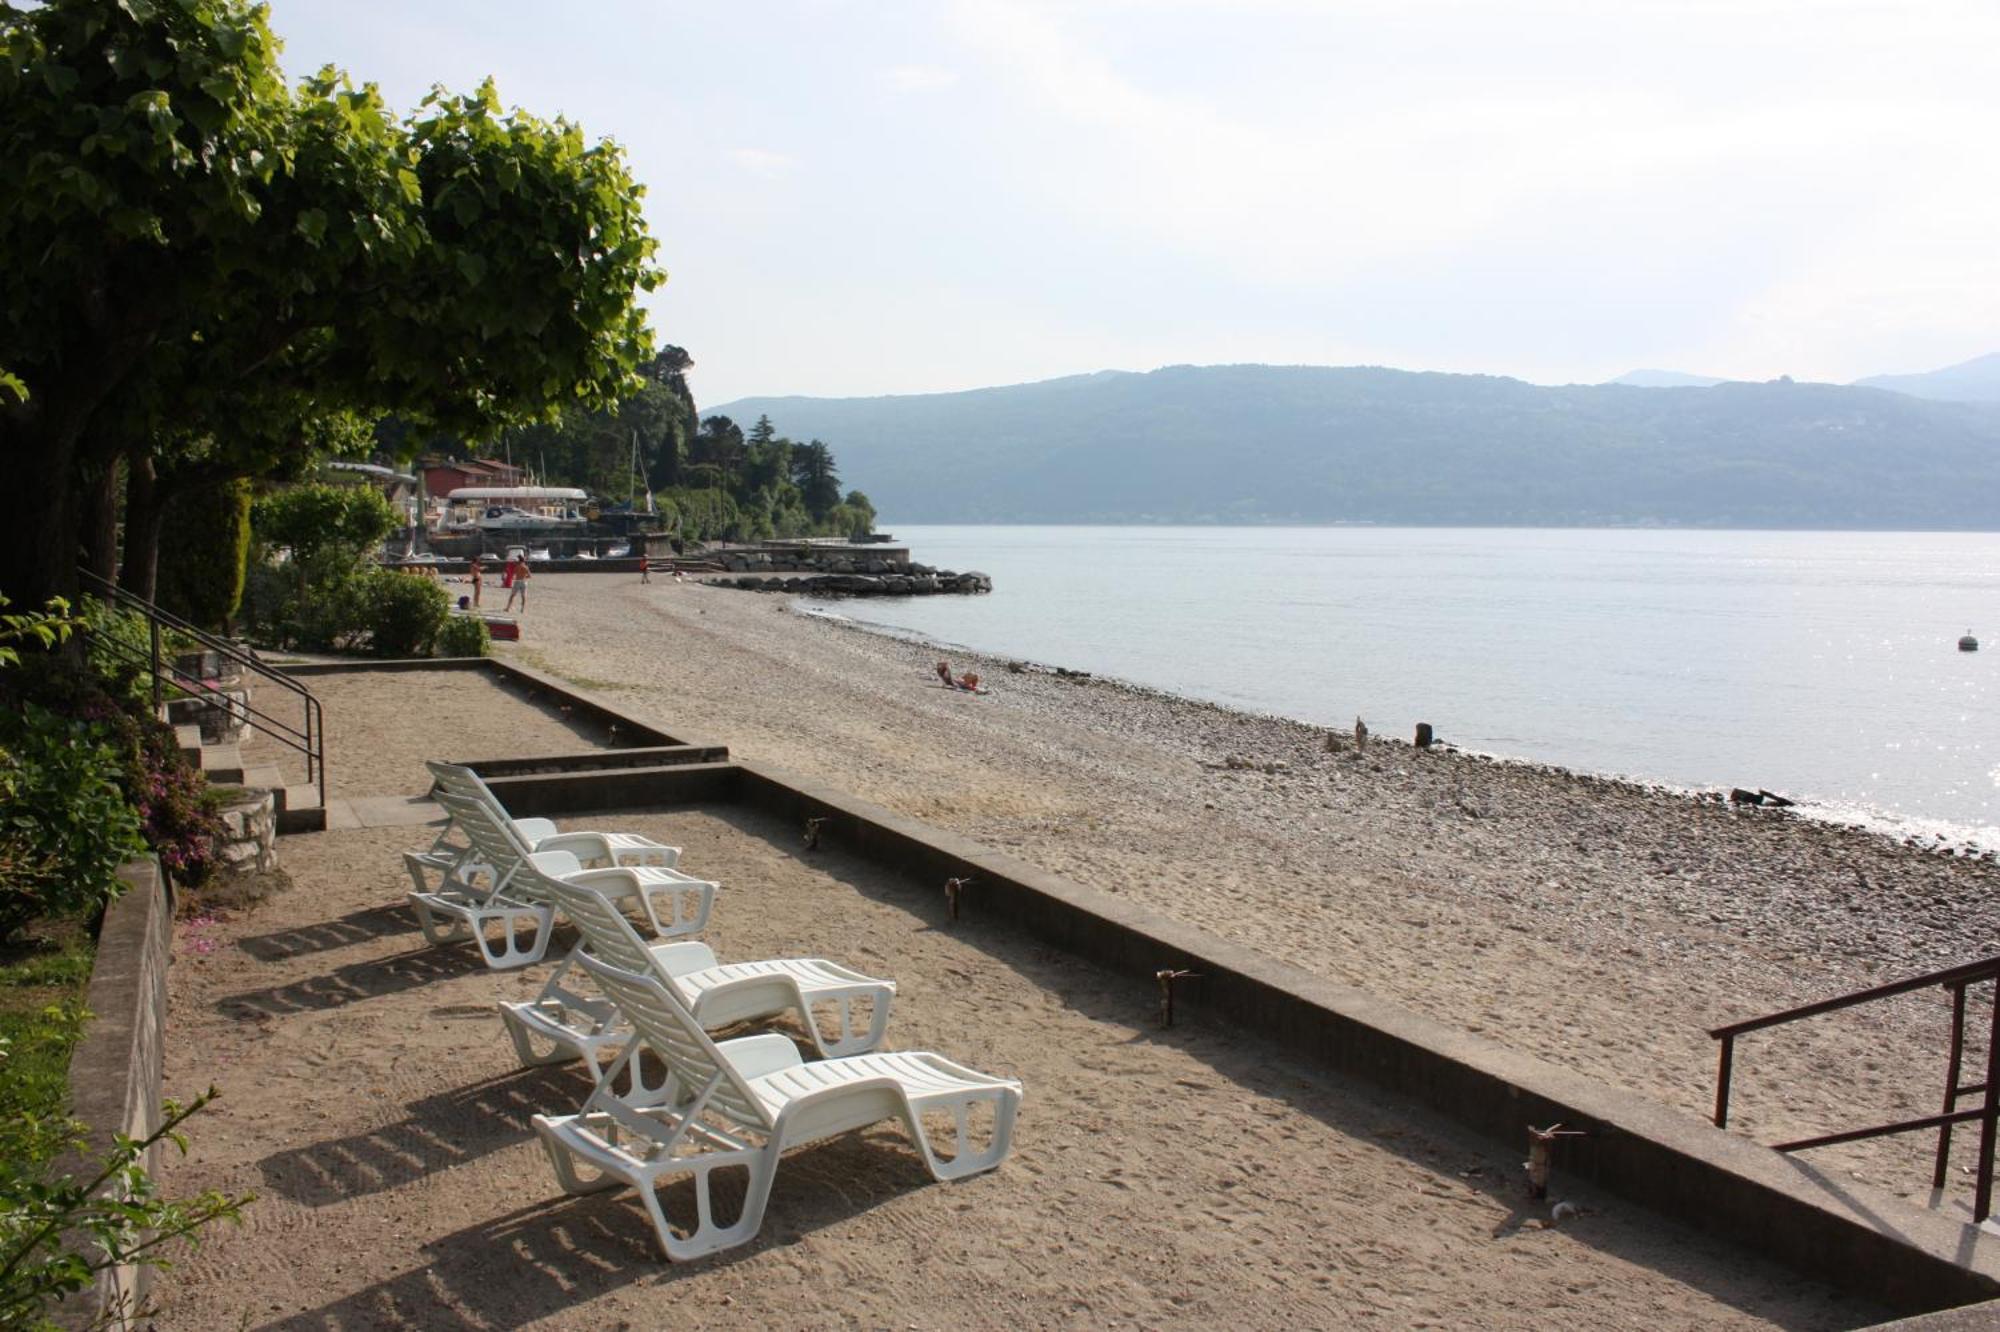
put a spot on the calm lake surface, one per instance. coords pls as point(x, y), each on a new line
point(1818, 664)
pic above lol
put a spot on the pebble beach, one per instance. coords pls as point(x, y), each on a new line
point(1598, 924)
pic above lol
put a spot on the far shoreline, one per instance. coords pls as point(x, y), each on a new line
point(1927, 836)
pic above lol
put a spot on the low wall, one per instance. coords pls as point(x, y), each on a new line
point(623, 729)
point(114, 1074)
point(595, 760)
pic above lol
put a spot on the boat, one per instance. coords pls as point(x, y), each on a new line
point(1968, 643)
point(505, 510)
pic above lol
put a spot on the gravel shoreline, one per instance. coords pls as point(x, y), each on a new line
point(1593, 922)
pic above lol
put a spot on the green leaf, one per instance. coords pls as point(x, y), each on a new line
point(312, 225)
point(473, 266)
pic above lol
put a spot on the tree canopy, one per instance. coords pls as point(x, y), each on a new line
point(204, 260)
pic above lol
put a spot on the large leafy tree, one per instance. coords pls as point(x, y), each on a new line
point(719, 443)
point(814, 473)
point(208, 270)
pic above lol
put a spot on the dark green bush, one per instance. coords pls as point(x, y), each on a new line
point(204, 540)
point(62, 809)
point(464, 636)
point(402, 612)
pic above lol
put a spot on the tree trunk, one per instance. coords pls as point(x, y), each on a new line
point(142, 528)
point(100, 522)
point(38, 543)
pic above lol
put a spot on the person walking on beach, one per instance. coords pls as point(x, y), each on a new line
point(519, 587)
point(645, 564)
point(478, 580)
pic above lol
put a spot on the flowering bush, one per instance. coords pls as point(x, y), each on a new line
point(177, 810)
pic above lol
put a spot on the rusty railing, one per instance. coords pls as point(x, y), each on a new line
point(1955, 979)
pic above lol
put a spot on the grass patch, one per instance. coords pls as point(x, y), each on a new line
point(42, 985)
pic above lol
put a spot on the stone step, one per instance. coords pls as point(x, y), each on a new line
point(189, 739)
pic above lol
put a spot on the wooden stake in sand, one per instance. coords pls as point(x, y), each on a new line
point(1168, 977)
point(1541, 1145)
point(952, 889)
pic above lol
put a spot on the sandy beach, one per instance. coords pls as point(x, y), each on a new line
point(1189, 1177)
point(1598, 924)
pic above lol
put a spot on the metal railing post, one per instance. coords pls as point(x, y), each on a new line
point(1951, 1084)
point(159, 693)
point(1982, 1205)
point(1722, 1082)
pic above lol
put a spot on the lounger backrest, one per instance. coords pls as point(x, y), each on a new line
point(492, 840)
point(602, 925)
point(669, 1030)
point(464, 782)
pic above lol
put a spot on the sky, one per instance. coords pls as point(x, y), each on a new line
point(857, 197)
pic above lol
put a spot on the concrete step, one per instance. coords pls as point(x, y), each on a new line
point(299, 810)
point(189, 739)
point(222, 763)
point(265, 775)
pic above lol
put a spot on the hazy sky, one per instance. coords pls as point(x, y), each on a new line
point(864, 196)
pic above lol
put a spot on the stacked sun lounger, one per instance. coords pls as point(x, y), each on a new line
point(667, 1099)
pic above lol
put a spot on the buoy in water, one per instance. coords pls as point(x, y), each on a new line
point(1968, 644)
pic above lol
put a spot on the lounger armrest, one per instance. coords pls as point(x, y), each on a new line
point(679, 959)
point(556, 864)
point(764, 1053)
point(532, 831)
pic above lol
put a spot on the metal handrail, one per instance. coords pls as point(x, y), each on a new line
point(309, 741)
point(1955, 979)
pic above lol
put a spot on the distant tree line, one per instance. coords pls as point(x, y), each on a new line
point(717, 481)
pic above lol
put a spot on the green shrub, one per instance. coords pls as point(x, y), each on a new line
point(61, 806)
point(319, 522)
point(402, 612)
point(204, 540)
point(118, 649)
point(464, 636)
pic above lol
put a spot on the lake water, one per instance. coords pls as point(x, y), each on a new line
point(1818, 664)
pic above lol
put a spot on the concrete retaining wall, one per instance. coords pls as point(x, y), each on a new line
point(114, 1074)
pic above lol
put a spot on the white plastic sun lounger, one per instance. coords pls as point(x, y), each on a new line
point(451, 859)
point(741, 1103)
point(516, 898)
point(574, 1026)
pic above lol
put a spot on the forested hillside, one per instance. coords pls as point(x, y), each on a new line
point(1313, 444)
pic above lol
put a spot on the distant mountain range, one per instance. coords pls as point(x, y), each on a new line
point(1308, 444)
point(1665, 379)
point(1976, 380)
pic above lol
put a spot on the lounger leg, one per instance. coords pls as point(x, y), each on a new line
point(848, 1042)
point(508, 955)
point(963, 1162)
point(568, 1176)
point(414, 863)
point(707, 1236)
point(524, 1048)
point(688, 906)
point(435, 931)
